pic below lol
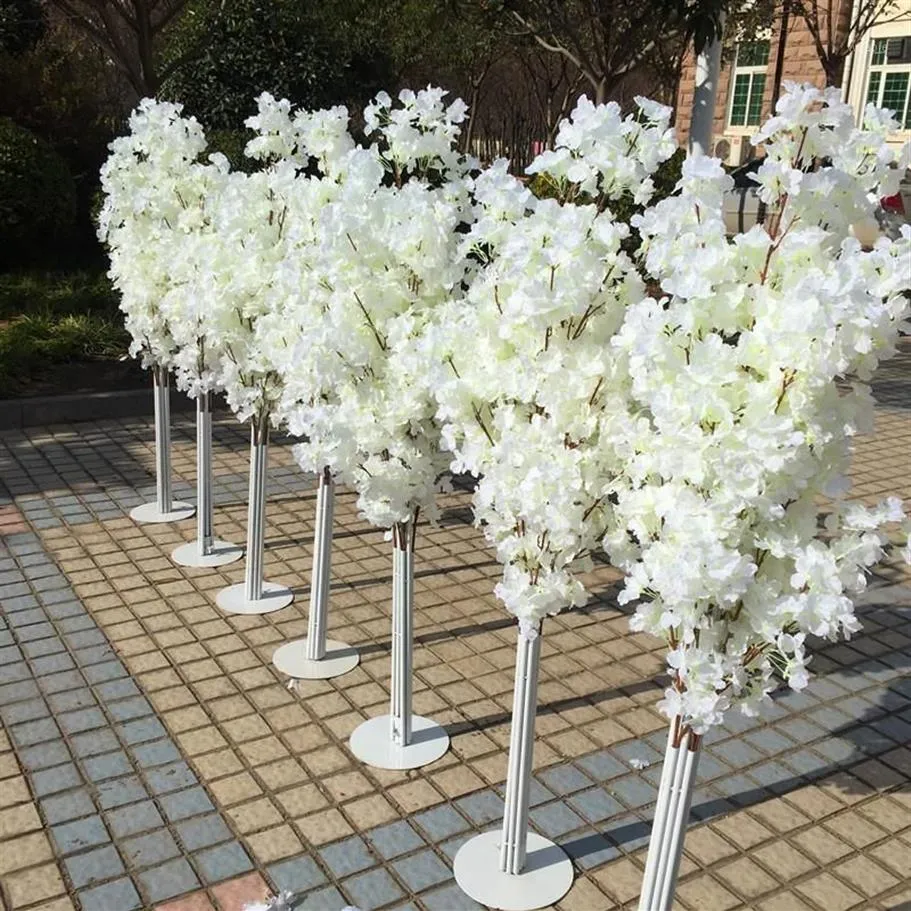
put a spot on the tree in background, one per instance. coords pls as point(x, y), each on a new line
point(131, 33)
point(22, 25)
point(838, 27)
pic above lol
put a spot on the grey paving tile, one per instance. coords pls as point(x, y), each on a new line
point(595, 805)
point(394, 839)
point(481, 807)
point(117, 689)
point(94, 866)
point(422, 871)
point(44, 755)
point(20, 712)
point(737, 753)
point(167, 778)
point(82, 720)
point(128, 709)
point(120, 894)
point(33, 732)
point(590, 849)
point(12, 673)
point(322, 900)
point(441, 822)
point(70, 700)
point(159, 752)
point(346, 857)
point(108, 765)
point(149, 849)
point(184, 804)
point(168, 880)
point(116, 792)
point(767, 740)
point(52, 664)
point(107, 670)
point(65, 680)
point(772, 775)
point(16, 692)
point(564, 779)
point(82, 833)
point(801, 730)
point(299, 874)
point(203, 831)
point(56, 778)
point(449, 898)
point(372, 889)
point(67, 806)
point(141, 731)
point(630, 833)
point(805, 762)
point(633, 791)
point(93, 743)
point(602, 766)
point(555, 819)
point(138, 817)
point(222, 862)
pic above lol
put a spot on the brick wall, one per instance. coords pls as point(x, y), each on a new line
point(801, 64)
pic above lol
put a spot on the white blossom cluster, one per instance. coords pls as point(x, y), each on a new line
point(748, 377)
point(685, 407)
point(383, 254)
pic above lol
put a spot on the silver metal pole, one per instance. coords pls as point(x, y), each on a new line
point(402, 632)
point(160, 380)
point(204, 508)
point(514, 840)
point(256, 511)
point(322, 565)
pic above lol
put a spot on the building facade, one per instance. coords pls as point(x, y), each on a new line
point(879, 70)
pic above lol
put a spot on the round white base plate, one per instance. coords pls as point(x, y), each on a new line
point(148, 513)
point(372, 743)
point(233, 599)
point(547, 876)
point(291, 659)
point(222, 553)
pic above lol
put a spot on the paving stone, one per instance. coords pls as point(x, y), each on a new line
point(108, 765)
point(450, 898)
point(346, 857)
point(83, 833)
point(57, 778)
point(564, 779)
point(116, 689)
point(107, 670)
point(67, 806)
point(49, 753)
point(203, 831)
point(128, 709)
point(159, 752)
point(82, 720)
point(137, 817)
point(222, 862)
point(52, 664)
point(172, 878)
point(141, 731)
point(120, 895)
point(64, 680)
point(394, 839)
point(93, 866)
point(299, 874)
point(184, 804)
point(555, 819)
point(20, 712)
point(737, 753)
point(441, 822)
point(116, 792)
point(481, 807)
point(33, 732)
point(372, 889)
point(149, 849)
point(595, 805)
point(93, 743)
point(602, 766)
point(633, 791)
point(322, 900)
point(69, 700)
point(421, 871)
point(164, 779)
point(16, 692)
point(590, 849)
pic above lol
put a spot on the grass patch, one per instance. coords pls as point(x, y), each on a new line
point(52, 318)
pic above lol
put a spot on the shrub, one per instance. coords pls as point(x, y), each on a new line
point(37, 196)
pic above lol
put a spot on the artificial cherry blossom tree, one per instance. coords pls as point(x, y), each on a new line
point(139, 181)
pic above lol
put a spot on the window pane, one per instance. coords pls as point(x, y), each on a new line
point(908, 113)
point(873, 87)
point(739, 100)
point(753, 53)
point(898, 50)
point(879, 51)
point(757, 88)
point(895, 91)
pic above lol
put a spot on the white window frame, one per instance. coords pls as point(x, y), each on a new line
point(751, 71)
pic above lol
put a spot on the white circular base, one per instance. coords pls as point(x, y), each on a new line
point(547, 876)
point(233, 599)
point(372, 743)
point(291, 659)
point(222, 553)
point(148, 513)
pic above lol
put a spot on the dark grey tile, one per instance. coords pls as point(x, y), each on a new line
point(138, 817)
point(394, 839)
point(564, 779)
point(149, 849)
point(184, 804)
point(441, 822)
point(168, 880)
point(372, 889)
point(595, 805)
point(602, 766)
point(346, 857)
point(148, 755)
point(82, 720)
point(481, 807)
point(203, 831)
point(83, 833)
point(555, 819)
point(300, 874)
point(222, 862)
point(108, 765)
point(164, 779)
point(57, 778)
point(93, 866)
point(116, 792)
point(67, 806)
point(119, 895)
point(44, 755)
point(421, 871)
point(94, 743)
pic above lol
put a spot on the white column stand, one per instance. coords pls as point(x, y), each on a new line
point(253, 595)
point(164, 509)
point(316, 657)
point(675, 795)
point(514, 869)
point(400, 740)
point(206, 550)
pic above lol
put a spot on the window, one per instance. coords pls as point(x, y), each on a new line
point(889, 77)
point(749, 83)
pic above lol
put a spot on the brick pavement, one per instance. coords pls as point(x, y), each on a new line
point(151, 757)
